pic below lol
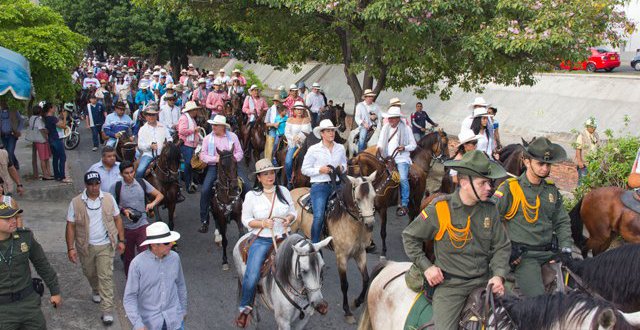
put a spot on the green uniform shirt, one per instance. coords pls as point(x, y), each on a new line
point(551, 216)
point(15, 275)
point(487, 251)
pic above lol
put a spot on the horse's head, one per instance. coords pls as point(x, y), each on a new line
point(227, 166)
point(170, 155)
point(388, 162)
point(363, 196)
point(341, 117)
point(307, 265)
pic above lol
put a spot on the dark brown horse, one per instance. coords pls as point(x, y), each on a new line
point(386, 184)
point(256, 139)
point(512, 159)
point(299, 180)
point(336, 114)
point(601, 211)
point(226, 199)
point(164, 176)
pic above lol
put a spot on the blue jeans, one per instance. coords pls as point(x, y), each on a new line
point(274, 151)
point(164, 326)
point(187, 154)
point(257, 253)
point(9, 142)
point(59, 158)
point(403, 169)
point(319, 195)
point(111, 142)
point(362, 139)
point(582, 172)
point(145, 160)
point(207, 187)
point(95, 135)
point(288, 163)
point(314, 119)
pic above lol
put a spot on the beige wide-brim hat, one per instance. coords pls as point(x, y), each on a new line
point(393, 112)
point(189, 106)
point(293, 87)
point(276, 97)
point(324, 124)
point(264, 165)
point(236, 71)
point(159, 233)
point(368, 92)
point(219, 120)
point(395, 102)
point(316, 85)
point(299, 105)
point(479, 101)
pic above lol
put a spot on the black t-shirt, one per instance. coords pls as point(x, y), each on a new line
point(50, 124)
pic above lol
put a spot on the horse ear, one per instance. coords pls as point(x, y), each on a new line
point(354, 181)
point(632, 318)
point(318, 246)
point(218, 151)
point(372, 176)
point(298, 249)
point(524, 143)
point(607, 318)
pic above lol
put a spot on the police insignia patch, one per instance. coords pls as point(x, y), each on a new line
point(424, 215)
point(24, 247)
point(487, 223)
point(498, 194)
point(552, 199)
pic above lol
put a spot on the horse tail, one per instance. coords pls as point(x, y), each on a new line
point(365, 319)
point(577, 225)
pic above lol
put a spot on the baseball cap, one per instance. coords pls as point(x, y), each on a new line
point(91, 177)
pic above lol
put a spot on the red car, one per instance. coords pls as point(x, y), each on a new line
point(601, 59)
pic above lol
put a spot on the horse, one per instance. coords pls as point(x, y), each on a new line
point(232, 119)
point(299, 180)
point(605, 216)
point(125, 149)
point(389, 302)
point(336, 114)
point(256, 139)
point(226, 199)
point(386, 185)
point(164, 175)
point(612, 275)
point(296, 277)
point(349, 220)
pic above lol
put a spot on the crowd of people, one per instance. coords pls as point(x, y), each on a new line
point(145, 104)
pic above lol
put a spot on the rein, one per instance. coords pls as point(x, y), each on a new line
point(227, 186)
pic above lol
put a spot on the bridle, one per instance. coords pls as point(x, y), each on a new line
point(353, 210)
point(227, 184)
point(168, 175)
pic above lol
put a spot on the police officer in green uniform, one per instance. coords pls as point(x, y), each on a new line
point(19, 303)
point(471, 246)
point(531, 207)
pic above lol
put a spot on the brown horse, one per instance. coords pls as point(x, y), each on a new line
point(336, 114)
point(164, 176)
point(226, 199)
point(349, 220)
point(256, 139)
point(386, 184)
point(299, 180)
point(605, 217)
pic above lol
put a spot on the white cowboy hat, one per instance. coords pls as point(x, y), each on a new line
point(132, 71)
point(158, 233)
point(190, 65)
point(480, 112)
point(264, 165)
point(467, 136)
point(217, 82)
point(202, 81)
point(293, 87)
point(171, 86)
point(368, 92)
point(393, 112)
point(324, 124)
point(191, 105)
point(183, 71)
point(210, 73)
point(163, 71)
point(299, 105)
point(479, 101)
point(155, 73)
point(219, 120)
point(157, 67)
point(315, 85)
point(395, 102)
point(221, 70)
point(144, 85)
point(253, 87)
point(236, 71)
point(147, 73)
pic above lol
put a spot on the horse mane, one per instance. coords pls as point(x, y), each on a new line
point(613, 274)
point(284, 257)
point(226, 159)
point(344, 195)
point(545, 311)
point(171, 152)
point(429, 139)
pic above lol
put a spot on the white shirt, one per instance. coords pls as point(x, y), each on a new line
point(88, 82)
point(409, 143)
point(224, 79)
point(97, 230)
point(256, 205)
point(169, 115)
point(466, 123)
point(362, 113)
point(314, 101)
point(293, 130)
point(149, 134)
point(485, 145)
point(270, 116)
point(318, 155)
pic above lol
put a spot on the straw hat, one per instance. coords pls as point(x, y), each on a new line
point(219, 120)
point(368, 92)
point(236, 71)
point(393, 112)
point(315, 85)
point(202, 81)
point(144, 85)
point(293, 87)
point(324, 124)
point(191, 105)
point(264, 165)
point(395, 102)
point(158, 233)
point(299, 105)
point(277, 98)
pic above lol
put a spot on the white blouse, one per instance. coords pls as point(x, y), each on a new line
point(256, 205)
point(293, 130)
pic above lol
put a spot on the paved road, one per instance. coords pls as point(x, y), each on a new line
point(212, 291)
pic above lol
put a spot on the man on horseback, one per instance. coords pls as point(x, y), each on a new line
point(216, 98)
point(397, 141)
point(367, 114)
point(254, 104)
point(471, 246)
point(151, 138)
point(531, 207)
point(316, 102)
point(292, 98)
point(220, 139)
point(188, 133)
point(117, 124)
point(321, 159)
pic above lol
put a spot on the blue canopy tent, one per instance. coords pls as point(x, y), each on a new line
point(15, 75)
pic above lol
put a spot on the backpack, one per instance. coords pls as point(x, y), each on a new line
point(142, 184)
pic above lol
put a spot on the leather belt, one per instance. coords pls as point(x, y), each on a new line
point(16, 296)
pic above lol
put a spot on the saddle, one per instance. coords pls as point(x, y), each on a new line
point(369, 134)
point(268, 261)
point(631, 200)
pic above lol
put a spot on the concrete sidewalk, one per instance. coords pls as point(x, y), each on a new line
point(45, 205)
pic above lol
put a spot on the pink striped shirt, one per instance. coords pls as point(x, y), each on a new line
point(220, 143)
point(259, 105)
point(216, 98)
point(185, 133)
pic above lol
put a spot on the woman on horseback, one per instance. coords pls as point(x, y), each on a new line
point(267, 210)
point(468, 142)
point(297, 125)
point(479, 126)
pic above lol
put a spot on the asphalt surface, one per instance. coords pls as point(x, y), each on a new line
point(212, 292)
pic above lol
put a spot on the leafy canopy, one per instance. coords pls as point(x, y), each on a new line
point(40, 35)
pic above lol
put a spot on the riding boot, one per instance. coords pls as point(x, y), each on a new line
point(371, 248)
point(204, 228)
point(242, 320)
point(180, 197)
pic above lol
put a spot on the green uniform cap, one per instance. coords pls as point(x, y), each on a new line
point(7, 212)
point(543, 150)
point(476, 163)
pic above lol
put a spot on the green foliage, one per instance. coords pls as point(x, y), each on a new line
point(435, 45)
point(250, 76)
point(40, 35)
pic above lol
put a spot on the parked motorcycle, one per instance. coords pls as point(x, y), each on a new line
point(72, 136)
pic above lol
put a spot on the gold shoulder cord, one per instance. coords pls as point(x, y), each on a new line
point(458, 237)
point(529, 211)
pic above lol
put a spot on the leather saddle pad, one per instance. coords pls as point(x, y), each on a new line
point(628, 198)
point(305, 202)
point(268, 261)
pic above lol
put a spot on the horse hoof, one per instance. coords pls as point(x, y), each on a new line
point(350, 319)
point(225, 267)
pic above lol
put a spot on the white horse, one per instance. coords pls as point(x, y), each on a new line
point(389, 301)
point(297, 278)
point(352, 142)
